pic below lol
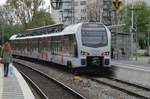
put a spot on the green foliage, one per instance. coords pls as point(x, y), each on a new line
point(9, 30)
point(41, 18)
point(18, 15)
point(24, 9)
point(141, 19)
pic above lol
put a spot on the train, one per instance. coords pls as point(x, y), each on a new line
point(86, 44)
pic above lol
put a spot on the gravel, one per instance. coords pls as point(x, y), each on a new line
point(84, 86)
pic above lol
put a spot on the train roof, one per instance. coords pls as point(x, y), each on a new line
point(12, 37)
point(68, 30)
point(54, 25)
point(40, 36)
point(72, 29)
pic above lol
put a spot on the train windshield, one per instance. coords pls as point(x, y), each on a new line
point(94, 36)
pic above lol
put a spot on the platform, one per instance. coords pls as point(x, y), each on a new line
point(14, 86)
point(140, 62)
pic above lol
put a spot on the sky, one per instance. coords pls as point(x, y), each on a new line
point(46, 2)
point(147, 1)
point(2, 2)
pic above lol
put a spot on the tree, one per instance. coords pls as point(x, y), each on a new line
point(41, 18)
point(24, 9)
point(6, 15)
point(94, 10)
point(4, 21)
point(18, 15)
point(141, 19)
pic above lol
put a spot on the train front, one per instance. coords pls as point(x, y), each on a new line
point(95, 45)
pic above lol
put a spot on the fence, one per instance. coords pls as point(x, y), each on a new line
point(121, 45)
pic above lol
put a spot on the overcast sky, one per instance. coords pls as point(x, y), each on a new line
point(3, 1)
point(47, 1)
point(148, 1)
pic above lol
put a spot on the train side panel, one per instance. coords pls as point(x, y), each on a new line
point(73, 47)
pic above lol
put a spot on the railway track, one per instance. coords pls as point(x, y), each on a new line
point(52, 88)
point(39, 94)
point(129, 88)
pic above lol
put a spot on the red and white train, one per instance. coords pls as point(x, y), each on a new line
point(81, 45)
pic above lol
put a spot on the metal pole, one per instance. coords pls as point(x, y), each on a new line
point(117, 35)
point(2, 38)
point(136, 45)
point(73, 21)
point(148, 43)
point(132, 23)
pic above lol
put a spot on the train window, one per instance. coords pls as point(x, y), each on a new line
point(75, 46)
point(28, 43)
point(53, 45)
point(22, 45)
point(48, 44)
point(31, 45)
point(56, 45)
point(40, 45)
point(16, 44)
point(94, 35)
point(34, 44)
point(94, 38)
point(13, 45)
point(65, 45)
point(44, 44)
point(69, 46)
point(25, 45)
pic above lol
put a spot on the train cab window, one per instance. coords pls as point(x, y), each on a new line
point(94, 38)
point(94, 35)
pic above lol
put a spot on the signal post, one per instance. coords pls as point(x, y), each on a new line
point(117, 4)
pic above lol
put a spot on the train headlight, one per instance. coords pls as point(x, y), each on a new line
point(84, 53)
point(104, 53)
